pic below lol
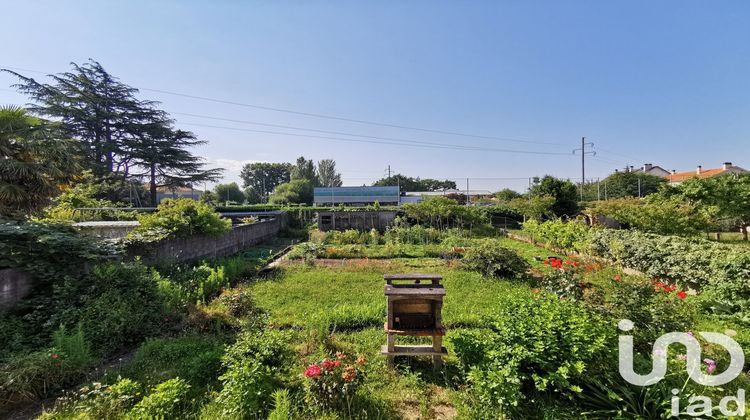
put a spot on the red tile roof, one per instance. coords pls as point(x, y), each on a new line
point(705, 173)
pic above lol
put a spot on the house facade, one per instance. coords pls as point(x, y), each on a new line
point(725, 169)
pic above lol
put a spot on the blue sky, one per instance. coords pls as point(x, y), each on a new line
point(663, 82)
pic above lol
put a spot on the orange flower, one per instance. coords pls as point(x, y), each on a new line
point(350, 374)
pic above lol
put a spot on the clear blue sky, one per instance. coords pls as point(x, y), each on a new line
point(664, 82)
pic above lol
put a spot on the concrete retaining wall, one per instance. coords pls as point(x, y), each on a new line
point(199, 247)
point(14, 286)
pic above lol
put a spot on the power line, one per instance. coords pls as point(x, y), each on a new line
point(396, 139)
point(330, 117)
point(421, 144)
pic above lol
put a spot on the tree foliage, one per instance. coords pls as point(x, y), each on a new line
point(408, 183)
point(263, 177)
point(536, 207)
point(296, 191)
point(729, 194)
point(118, 134)
point(506, 195)
point(229, 192)
point(657, 214)
point(443, 213)
point(626, 184)
point(327, 175)
point(34, 163)
point(564, 192)
point(304, 170)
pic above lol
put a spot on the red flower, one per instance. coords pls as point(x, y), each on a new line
point(313, 371)
point(617, 277)
point(669, 288)
point(546, 262)
point(327, 364)
point(681, 294)
point(337, 363)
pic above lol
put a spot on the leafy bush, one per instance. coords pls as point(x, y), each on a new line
point(492, 260)
point(443, 213)
point(558, 234)
point(121, 305)
point(169, 399)
point(532, 346)
point(195, 359)
point(180, 217)
point(252, 366)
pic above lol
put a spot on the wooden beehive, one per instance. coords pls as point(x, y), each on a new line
point(415, 303)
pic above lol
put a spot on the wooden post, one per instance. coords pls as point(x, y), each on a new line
point(437, 347)
point(391, 348)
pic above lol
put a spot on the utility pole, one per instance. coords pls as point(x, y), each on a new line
point(639, 188)
point(389, 171)
point(598, 190)
point(583, 152)
point(468, 197)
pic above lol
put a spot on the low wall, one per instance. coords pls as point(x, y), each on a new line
point(199, 247)
point(107, 230)
point(14, 286)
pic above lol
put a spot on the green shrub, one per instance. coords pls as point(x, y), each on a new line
point(493, 260)
point(557, 233)
point(180, 217)
point(72, 350)
point(416, 235)
point(198, 283)
point(247, 387)
point(252, 365)
point(195, 359)
point(121, 306)
point(534, 346)
point(168, 400)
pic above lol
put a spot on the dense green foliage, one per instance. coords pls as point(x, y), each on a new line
point(728, 194)
point(181, 217)
point(261, 178)
point(443, 213)
point(530, 347)
point(408, 183)
point(34, 162)
point(230, 192)
point(626, 184)
point(564, 192)
point(297, 191)
point(558, 234)
point(657, 214)
point(119, 135)
point(493, 260)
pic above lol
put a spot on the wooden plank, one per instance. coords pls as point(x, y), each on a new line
point(412, 276)
point(416, 333)
point(413, 351)
point(414, 291)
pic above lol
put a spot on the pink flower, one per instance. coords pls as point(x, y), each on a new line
point(711, 365)
point(313, 371)
point(690, 333)
point(682, 357)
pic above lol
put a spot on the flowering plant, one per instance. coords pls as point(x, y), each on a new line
point(566, 279)
point(333, 382)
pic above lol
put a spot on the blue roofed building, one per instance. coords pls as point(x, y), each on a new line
point(356, 196)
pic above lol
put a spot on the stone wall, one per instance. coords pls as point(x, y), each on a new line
point(14, 286)
point(197, 247)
